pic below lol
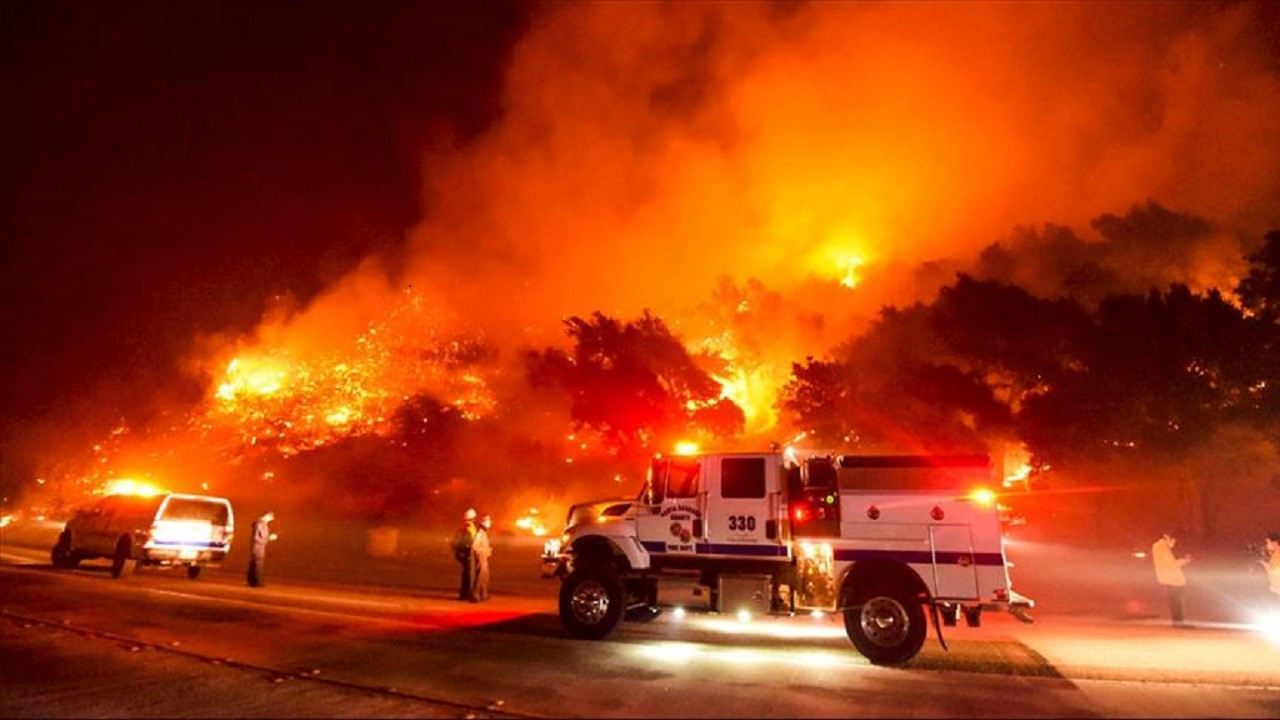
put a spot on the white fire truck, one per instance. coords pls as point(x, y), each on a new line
point(881, 539)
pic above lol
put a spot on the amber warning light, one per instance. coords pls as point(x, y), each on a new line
point(983, 497)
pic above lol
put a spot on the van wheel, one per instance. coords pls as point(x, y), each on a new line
point(591, 602)
point(193, 571)
point(886, 625)
point(121, 561)
point(61, 555)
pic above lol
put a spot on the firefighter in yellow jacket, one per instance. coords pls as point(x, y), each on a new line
point(1272, 563)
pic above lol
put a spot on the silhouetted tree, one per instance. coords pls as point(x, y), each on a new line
point(1259, 291)
point(634, 383)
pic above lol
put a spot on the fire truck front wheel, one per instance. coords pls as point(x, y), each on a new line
point(591, 602)
point(886, 625)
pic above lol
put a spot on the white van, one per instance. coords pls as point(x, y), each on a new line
point(170, 529)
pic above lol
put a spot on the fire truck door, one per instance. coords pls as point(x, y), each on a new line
point(955, 575)
point(741, 499)
point(667, 528)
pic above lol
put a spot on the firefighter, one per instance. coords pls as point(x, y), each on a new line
point(482, 550)
point(1272, 563)
point(1169, 573)
point(260, 535)
point(462, 542)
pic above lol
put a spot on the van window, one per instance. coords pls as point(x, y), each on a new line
point(192, 509)
point(742, 478)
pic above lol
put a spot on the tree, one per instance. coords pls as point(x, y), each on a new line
point(634, 382)
point(1259, 291)
point(898, 387)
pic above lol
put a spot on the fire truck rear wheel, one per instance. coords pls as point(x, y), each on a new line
point(193, 571)
point(591, 602)
point(887, 626)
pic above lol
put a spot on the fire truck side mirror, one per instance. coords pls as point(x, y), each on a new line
point(697, 527)
point(771, 529)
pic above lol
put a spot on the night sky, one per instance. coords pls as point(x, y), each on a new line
point(173, 170)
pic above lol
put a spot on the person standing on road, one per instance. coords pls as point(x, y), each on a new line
point(1272, 563)
point(260, 535)
point(462, 542)
point(482, 549)
point(1169, 572)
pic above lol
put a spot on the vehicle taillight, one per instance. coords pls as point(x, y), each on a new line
point(800, 514)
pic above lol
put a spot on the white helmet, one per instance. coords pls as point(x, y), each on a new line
point(470, 514)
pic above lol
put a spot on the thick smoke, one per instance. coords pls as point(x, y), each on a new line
point(647, 151)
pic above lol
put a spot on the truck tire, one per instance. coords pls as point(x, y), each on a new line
point(886, 625)
point(193, 571)
point(61, 554)
point(122, 562)
point(591, 602)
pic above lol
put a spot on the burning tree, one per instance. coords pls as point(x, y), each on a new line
point(635, 383)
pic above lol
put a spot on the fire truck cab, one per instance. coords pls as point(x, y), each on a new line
point(879, 539)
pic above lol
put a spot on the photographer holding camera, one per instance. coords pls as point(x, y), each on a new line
point(1169, 572)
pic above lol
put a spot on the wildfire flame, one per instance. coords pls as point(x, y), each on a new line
point(297, 400)
point(531, 522)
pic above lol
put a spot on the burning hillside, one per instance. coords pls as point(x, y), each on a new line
point(298, 399)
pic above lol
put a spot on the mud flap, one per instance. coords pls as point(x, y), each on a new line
point(1019, 605)
point(937, 623)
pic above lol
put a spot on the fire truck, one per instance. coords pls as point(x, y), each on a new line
point(880, 539)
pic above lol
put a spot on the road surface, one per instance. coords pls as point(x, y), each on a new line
point(349, 644)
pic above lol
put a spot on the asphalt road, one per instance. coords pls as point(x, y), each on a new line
point(79, 644)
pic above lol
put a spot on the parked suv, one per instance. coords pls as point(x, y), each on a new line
point(170, 529)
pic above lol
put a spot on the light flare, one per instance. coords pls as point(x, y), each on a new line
point(686, 447)
point(983, 496)
point(130, 486)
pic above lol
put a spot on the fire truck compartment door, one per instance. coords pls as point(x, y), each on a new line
point(741, 499)
point(955, 576)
